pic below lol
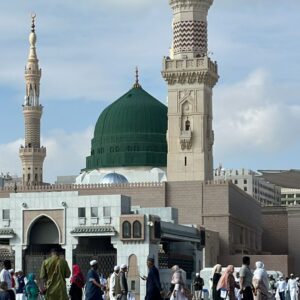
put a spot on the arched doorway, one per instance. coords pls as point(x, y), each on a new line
point(134, 276)
point(43, 235)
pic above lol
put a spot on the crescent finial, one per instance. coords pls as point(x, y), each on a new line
point(33, 16)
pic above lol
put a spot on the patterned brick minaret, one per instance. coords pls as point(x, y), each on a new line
point(32, 154)
point(191, 76)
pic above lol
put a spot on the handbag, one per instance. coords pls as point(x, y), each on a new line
point(223, 293)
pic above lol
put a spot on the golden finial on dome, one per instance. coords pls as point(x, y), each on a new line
point(136, 84)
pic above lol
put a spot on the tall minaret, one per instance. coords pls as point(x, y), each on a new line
point(32, 154)
point(191, 76)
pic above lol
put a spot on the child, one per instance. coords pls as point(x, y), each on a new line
point(20, 286)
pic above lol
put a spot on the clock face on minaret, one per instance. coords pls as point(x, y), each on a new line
point(191, 76)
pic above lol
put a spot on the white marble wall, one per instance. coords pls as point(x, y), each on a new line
point(69, 202)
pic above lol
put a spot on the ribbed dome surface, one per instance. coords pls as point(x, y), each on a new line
point(130, 132)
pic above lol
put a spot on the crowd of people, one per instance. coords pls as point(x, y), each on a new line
point(248, 285)
point(51, 283)
point(228, 285)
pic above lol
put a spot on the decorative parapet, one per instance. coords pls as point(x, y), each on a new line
point(38, 108)
point(201, 70)
point(187, 4)
point(7, 233)
point(78, 187)
point(93, 230)
point(41, 150)
point(217, 182)
point(36, 73)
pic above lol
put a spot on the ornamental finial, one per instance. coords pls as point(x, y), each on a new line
point(33, 16)
point(136, 85)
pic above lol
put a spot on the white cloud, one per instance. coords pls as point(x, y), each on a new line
point(9, 157)
point(252, 119)
point(66, 153)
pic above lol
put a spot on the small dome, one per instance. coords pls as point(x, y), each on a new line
point(114, 178)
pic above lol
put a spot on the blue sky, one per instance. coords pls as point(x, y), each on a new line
point(88, 53)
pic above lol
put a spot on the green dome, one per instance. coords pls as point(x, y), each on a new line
point(130, 132)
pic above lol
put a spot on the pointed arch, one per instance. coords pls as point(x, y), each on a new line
point(34, 221)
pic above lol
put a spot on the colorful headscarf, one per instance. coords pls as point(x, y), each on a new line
point(77, 277)
point(223, 282)
point(31, 286)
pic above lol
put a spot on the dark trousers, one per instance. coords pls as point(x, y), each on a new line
point(12, 295)
point(247, 293)
point(282, 295)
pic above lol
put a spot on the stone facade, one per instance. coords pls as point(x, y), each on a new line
point(290, 197)
point(281, 233)
point(218, 206)
point(190, 76)
point(252, 183)
point(34, 220)
point(280, 263)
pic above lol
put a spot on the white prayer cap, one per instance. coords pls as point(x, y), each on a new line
point(197, 274)
point(93, 262)
point(123, 266)
point(116, 268)
point(11, 271)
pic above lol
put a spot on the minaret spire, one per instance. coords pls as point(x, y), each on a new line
point(32, 154)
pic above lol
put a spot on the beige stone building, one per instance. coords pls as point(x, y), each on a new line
point(130, 135)
point(252, 182)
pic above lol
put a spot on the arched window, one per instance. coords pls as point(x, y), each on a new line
point(187, 125)
point(126, 228)
point(137, 229)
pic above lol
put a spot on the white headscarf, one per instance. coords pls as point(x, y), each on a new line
point(261, 274)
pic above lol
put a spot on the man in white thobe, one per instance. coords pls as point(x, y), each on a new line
point(293, 287)
point(114, 284)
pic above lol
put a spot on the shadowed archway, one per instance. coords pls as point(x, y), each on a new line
point(43, 235)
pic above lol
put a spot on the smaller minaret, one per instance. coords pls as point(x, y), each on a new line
point(32, 154)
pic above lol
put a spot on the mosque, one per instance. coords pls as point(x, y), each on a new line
point(147, 187)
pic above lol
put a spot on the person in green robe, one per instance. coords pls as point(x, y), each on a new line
point(54, 272)
point(31, 288)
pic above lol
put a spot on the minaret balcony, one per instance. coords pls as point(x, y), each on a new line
point(190, 71)
point(31, 150)
point(33, 72)
point(187, 64)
